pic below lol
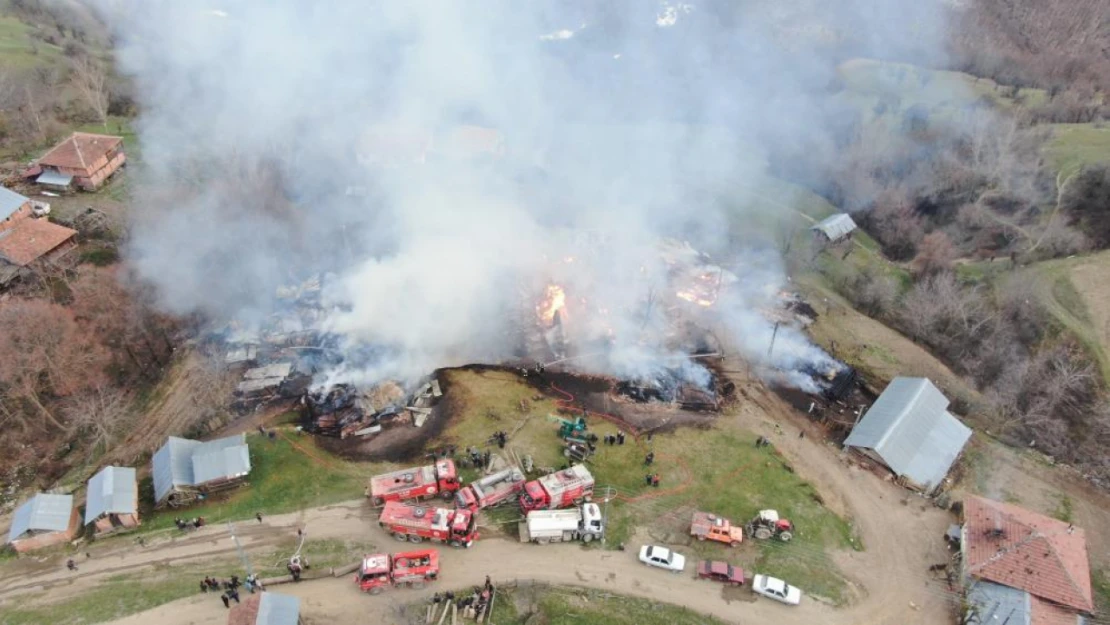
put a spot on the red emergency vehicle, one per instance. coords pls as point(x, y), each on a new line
point(417, 483)
point(561, 489)
point(459, 528)
point(490, 490)
point(411, 569)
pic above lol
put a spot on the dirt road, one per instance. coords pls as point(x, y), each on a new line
point(901, 533)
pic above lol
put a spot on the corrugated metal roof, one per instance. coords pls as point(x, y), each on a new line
point(54, 178)
point(910, 428)
point(221, 463)
point(176, 463)
point(278, 609)
point(42, 513)
point(10, 201)
point(113, 490)
point(996, 603)
point(835, 226)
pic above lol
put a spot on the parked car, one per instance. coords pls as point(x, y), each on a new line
point(774, 588)
point(653, 555)
point(721, 572)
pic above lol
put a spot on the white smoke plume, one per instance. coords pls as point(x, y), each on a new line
point(283, 138)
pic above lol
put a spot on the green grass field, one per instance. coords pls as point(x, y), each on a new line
point(19, 50)
point(717, 470)
point(129, 594)
point(1076, 145)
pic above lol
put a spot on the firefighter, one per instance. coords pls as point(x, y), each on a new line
point(620, 437)
point(649, 458)
point(227, 604)
point(647, 480)
point(233, 594)
point(258, 515)
point(71, 565)
point(655, 480)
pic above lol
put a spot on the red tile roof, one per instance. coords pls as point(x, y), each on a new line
point(245, 613)
point(1042, 612)
point(1019, 548)
point(30, 239)
point(80, 150)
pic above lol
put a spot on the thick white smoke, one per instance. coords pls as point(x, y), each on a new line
point(283, 138)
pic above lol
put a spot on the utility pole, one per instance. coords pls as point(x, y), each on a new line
point(239, 547)
point(773, 335)
point(605, 513)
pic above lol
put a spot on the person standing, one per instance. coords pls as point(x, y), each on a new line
point(258, 515)
point(227, 604)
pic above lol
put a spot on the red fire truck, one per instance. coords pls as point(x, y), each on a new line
point(561, 489)
point(418, 483)
point(459, 528)
point(407, 570)
point(490, 490)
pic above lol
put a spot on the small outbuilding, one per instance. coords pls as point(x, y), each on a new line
point(112, 502)
point(266, 608)
point(43, 521)
point(185, 470)
point(84, 160)
point(910, 430)
point(834, 227)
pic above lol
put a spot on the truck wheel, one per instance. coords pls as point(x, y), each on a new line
point(701, 538)
point(578, 501)
point(446, 495)
point(455, 543)
point(416, 538)
point(401, 537)
point(734, 543)
point(762, 533)
point(785, 537)
point(542, 541)
point(587, 538)
point(377, 502)
point(376, 590)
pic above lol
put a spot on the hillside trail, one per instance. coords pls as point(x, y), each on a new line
point(888, 578)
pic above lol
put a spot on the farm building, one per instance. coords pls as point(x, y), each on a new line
point(1022, 567)
point(42, 521)
point(184, 470)
point(29, 243)
point(834, 227)
point(112, 501)
point(266, 608)
point(83, 160)
point(13, 208)
point(910, 430)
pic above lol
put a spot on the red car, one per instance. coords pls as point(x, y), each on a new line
point(721, 572)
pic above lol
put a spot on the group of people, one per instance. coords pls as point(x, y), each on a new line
point(501, 437)
point(476, 458)
point(615, 439)
point(476, 602)
point(183, 524)
point(652, 479)
point(230, 587)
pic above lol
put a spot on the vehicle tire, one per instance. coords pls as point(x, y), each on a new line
point(446, 495)
point(377, 502)
point(587, 538)
point(734, 543)
point(543, 541)
point(455, 543)
point(376, 590)
point(416, 538)
point(701, 538)
point(401, 537)
point(762, 533)
point(418, 584)
point(786, 536)
point(578, 501)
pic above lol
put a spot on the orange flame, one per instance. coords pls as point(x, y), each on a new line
point(554, 300)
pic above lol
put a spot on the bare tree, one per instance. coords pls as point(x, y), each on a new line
point(99, 415)
point(92, 82)
point(934, 255)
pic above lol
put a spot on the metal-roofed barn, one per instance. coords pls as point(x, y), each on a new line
point(835, 227)
point(112, 501)
point(267, 608)
point(910, 430)
point(184, 469)
point(42, 521)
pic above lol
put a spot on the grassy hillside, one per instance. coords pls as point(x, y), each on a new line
point(1076, 145)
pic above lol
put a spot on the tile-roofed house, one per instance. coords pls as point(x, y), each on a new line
point(83, 159)
point(835, 227)
point(112, 500)
point(910, 430)
point(1010, 546)
point(13, 208)
point(184, 468)
point(44, 520)
point(267, 608)
point(33, 239)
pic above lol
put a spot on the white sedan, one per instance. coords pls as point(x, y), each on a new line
point(663, 558)
point(774, 588)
